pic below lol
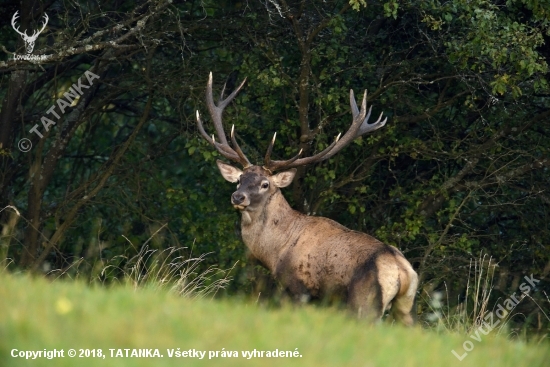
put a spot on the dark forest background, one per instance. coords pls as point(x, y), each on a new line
point(459, 174)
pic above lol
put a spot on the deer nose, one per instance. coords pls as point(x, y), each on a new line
point(237, 198)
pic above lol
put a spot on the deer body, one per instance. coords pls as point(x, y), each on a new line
point(312, 256)
point(316, 256)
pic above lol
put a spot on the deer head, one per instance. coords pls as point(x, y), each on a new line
point(255, 185)
point(29, 40)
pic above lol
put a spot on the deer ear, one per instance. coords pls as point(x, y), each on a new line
point(228, 172)
point(283, 179)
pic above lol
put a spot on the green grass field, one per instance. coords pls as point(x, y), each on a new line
point(37, 315)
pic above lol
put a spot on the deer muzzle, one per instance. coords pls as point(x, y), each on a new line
point(240, 200)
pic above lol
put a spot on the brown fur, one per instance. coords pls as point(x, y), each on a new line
point(316, 256)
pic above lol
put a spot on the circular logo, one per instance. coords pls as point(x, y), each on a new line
point(24, 145)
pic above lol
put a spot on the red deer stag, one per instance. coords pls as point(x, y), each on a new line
point(312, 256)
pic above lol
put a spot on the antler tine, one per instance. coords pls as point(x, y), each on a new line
point(224, 150)
point(45, 23)
point(295, 162)
point(267, 158)
point(365, 126)
point(359, 126)
point(13, 19)
point(202, 131)
point(245, 162)
point(273, 166)
point(222, 92)
point(353, 103)
point(216, 111)
point(359, 115)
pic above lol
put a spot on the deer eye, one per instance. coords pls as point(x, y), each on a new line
point(265, 185)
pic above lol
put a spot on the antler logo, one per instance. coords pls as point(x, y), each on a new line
point(29, 40)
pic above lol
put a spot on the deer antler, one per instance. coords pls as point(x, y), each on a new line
point(15, 16)
point(24, 34)
point(216, 111)
point(359, 126)
point(44, 23)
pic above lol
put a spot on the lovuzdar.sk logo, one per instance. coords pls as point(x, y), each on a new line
point(29, 40)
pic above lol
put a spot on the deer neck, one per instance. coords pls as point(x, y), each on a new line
point(267, 231)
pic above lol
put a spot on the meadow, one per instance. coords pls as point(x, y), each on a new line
point(106, 324)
